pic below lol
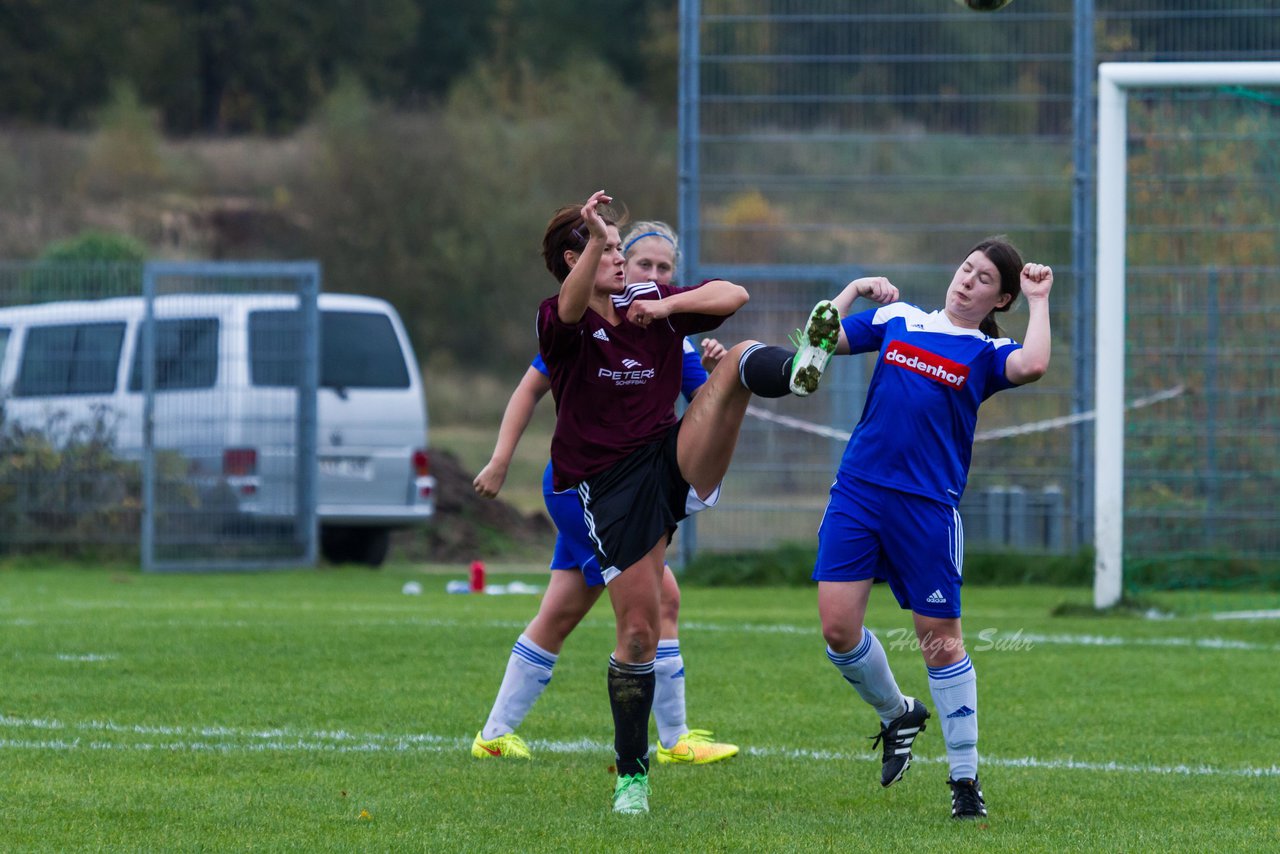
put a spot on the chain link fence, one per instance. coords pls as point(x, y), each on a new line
point(130, 424)
point(823, 140)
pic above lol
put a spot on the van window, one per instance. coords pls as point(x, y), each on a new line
point(359, 349)
point(79, 358)
point(4, 345)
point(186, 354)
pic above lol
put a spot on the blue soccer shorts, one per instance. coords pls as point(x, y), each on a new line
point(574, 549)
point(914, 543)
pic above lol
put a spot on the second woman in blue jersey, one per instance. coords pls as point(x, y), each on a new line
point(893, 513)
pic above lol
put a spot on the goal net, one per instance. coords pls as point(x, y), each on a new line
point(1188, 304)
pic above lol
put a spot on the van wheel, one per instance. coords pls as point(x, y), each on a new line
point(366, 546)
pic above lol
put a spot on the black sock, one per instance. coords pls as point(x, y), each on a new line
point(766, 370)
point(631, 699)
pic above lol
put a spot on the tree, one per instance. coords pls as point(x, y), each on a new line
point(96, 246)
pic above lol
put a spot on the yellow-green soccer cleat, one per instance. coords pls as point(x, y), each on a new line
point(631, 794)
point(509, 746)
point(815, 347)
point(695, 747)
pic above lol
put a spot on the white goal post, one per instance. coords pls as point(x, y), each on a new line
point(1114, 81)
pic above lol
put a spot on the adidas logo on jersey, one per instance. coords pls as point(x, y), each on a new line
point(936, 598)
point(600, 335)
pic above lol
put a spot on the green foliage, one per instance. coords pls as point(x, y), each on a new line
point(327, 711)
point(1191, 571)
point(1067, 570)
point(791, 564)
point(124, 155)
point(96, 246)
point(442, 213)
point(65, 489)
point(239, 66)
point(63, 484)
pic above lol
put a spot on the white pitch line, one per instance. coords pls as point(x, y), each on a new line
point(1248, 615)
point(277, 740)
point(1020, 640)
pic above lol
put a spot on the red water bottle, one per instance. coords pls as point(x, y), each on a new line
point(477, 576)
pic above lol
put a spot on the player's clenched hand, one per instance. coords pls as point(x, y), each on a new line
point(1037, 280)
point(645, 311)
point(489, 482)
point(712, 352)
point(877, 289)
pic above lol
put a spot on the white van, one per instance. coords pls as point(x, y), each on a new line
point(225, 374)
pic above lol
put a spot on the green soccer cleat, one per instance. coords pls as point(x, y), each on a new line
point(631, 794)
point(509, 746)
point(817, 344)
point(695, 747)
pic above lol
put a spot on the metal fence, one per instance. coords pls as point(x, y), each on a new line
point(129, 423)
point(822, 140)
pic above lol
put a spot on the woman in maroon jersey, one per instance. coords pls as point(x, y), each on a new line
point(613, 353)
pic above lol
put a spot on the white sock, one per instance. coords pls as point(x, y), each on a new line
point(668, 693)
point(955, 695)
point(866, 668)
point(528, 672)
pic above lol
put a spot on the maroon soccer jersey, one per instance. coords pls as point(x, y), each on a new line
point(614, 386)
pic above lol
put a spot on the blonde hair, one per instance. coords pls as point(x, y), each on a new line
point(651, 228)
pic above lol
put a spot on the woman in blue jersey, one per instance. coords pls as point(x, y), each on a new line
point(651, 252)
point(893, 512)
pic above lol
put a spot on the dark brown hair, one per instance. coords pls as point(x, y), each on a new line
point(567, 232)
point(1008, 262)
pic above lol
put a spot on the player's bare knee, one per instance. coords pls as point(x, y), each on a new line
point(841, 637)
point(638, 638)
point(640, 647)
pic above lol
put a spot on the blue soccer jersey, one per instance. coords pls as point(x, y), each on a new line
point(916, 430)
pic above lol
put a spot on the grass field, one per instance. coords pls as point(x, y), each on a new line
point(328, 711)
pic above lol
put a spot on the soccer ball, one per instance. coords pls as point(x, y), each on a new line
point(984, 5)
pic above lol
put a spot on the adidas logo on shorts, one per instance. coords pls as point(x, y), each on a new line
point(936, 598)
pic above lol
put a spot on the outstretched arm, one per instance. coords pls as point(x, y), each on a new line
point(717, 297)
point(1031, 361)
point(875, 288)
point(533, 386)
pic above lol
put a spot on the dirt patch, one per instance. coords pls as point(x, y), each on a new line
point(467, 526)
